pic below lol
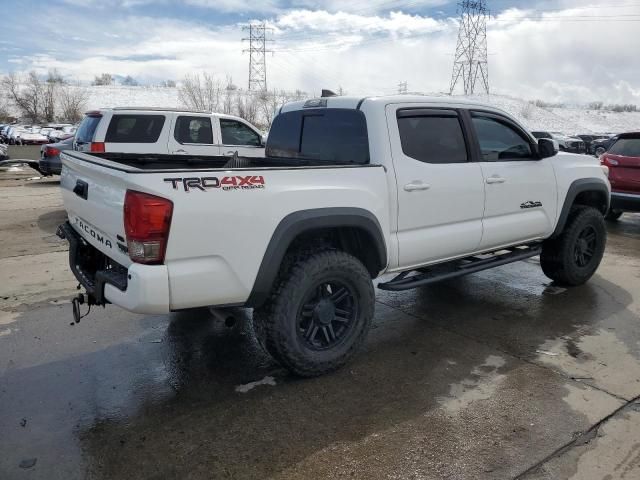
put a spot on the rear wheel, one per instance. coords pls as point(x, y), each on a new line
point(573, 257)
point(319, 313)
point(613, 215)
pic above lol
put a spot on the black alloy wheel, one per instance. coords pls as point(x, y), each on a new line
point(327, 315)
point(585, 247)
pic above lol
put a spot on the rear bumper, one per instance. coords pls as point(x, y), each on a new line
point(139, 289)
point(627, 202)
point(49, 167)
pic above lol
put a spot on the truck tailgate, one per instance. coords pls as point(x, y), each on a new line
point(94, 198)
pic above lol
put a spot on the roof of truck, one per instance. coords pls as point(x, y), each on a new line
point(357, 102)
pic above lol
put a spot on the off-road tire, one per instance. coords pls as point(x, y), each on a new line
point(276, 322)
point(558, 257)
point(613, 215)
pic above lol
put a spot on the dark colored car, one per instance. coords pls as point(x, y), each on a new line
point(589, 139)
point(623, 160)
point(50, 163)
point(598, 147)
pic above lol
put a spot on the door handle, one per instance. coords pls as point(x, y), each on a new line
point(230, 153)
point(416, 186)
point(495, 179)
point(181, 152)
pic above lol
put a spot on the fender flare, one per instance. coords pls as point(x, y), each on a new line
point(577, 187)
point(302, 221)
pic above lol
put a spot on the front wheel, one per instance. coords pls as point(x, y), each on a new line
point(574, 256)
point(318, 314)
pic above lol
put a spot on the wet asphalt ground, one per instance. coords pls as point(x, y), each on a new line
point(496, 375)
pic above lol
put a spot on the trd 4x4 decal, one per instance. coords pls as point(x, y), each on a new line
point(238, 182)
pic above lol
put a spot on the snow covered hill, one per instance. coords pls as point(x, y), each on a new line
point(567, 120)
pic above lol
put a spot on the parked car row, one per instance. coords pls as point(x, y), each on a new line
point(34, 134)
point(4, 155)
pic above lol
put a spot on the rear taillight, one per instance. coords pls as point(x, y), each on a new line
point(51, 151)
point(147, 220)
point(97, 147)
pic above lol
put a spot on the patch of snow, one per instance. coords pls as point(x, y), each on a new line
point(251, 385)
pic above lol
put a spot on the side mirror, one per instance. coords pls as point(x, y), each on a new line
point(547, 148)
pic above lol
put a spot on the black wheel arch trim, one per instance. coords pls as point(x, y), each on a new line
point(302, 221)
point(576, 188)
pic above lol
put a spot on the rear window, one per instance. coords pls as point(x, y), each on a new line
point(433, 139)
point(194, 130)
point(87, 128)
point(329, 135)
point(134, 128)
point(627, 147)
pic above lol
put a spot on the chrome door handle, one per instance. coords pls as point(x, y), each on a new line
point(495, 179)
point(416, 186)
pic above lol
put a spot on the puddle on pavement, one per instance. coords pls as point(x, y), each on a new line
point(600, 359)
point(481, 385)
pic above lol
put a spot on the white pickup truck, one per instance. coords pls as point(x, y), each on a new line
point(350, 188)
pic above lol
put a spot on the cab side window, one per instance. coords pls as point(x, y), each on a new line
point(432, 136)
point(196, 130)
point(499, 141)
point(236, 133)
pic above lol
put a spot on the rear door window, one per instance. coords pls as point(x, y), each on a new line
point(194, 130)
point(432, 138)
point(134, 128)
point(329, 135)
point(237, 133)
point(626, 147)
point(87, 128)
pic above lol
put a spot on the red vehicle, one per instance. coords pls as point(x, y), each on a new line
point(623, 160)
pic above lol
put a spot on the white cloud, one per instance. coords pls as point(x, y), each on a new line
point(561, 58)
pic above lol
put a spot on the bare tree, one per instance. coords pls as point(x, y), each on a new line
point(104, 79)
point(201, 92)
point(73, 101)
point(129, 81)
point(50, 90)
point(27, 94)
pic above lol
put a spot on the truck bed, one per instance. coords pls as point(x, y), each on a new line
point(160, 162)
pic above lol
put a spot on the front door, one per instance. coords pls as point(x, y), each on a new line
point(440, 189)
point(238, 137)
point(521, 195)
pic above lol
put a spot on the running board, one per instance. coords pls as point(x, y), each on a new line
point(458, 268)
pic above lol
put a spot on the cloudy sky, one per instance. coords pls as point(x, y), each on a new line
point(557, 50)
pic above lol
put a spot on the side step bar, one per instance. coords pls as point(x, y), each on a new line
point(458, 268)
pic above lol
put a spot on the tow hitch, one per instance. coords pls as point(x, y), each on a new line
point(80, 299)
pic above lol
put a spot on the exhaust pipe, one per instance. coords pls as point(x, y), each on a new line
point(225, 316)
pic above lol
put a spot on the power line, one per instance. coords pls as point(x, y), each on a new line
point(470, 63)
point(257, 54)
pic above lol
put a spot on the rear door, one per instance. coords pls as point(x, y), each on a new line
point(623, 160)
point(520, 201)
point(193, 134)
point(440, 187)
point(237, 136)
